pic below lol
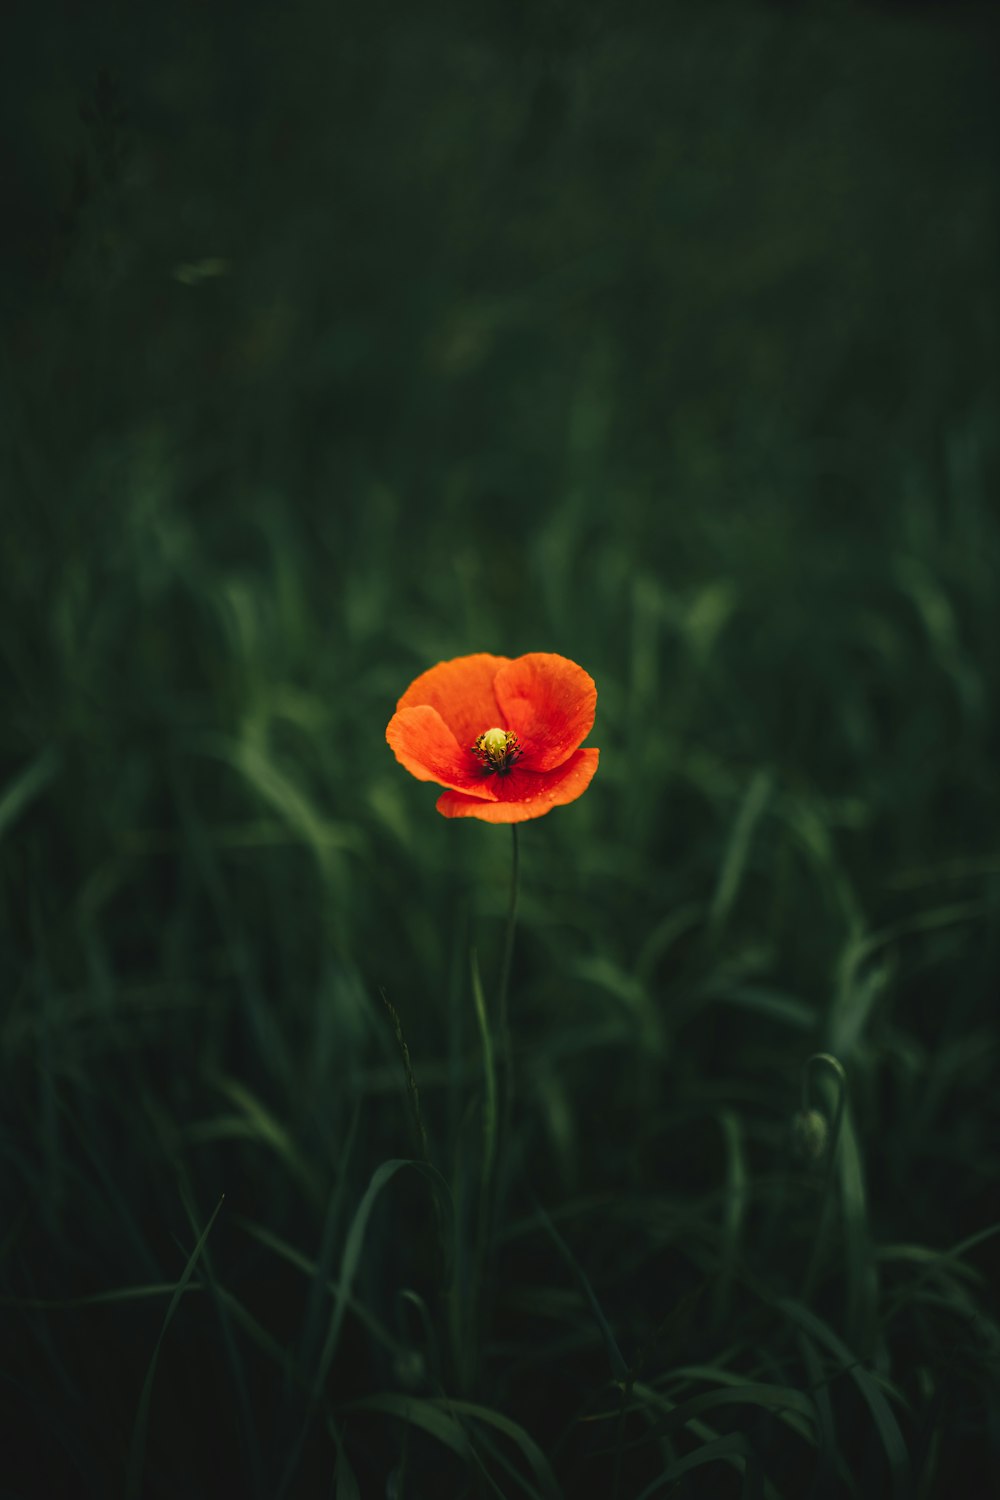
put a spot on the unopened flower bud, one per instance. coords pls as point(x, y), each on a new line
point(410, 1369)
point(810, 1134)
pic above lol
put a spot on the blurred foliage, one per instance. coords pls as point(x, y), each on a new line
point(343, 340)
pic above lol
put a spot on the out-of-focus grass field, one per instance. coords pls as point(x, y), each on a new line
point(343, 340)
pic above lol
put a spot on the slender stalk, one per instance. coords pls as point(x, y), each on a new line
point(839, 1079)
point(503, 1022)
point(495, 1043)
point(497, 1122)
point(496, 1114)
point(489, 1104)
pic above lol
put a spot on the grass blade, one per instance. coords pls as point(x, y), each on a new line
point(262, 1126)
point(137, 1450)
point(27, 785)
point(881, 1412)
point(751, 810)
point(734, 1210)
point(517, 1434)
point(347, 1484)
point(619, 1367)
point(862, 1277)
point(349, 1262)
point(421, 1412)
point(723, 1449)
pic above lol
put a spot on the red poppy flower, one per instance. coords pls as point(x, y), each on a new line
point(501, 735)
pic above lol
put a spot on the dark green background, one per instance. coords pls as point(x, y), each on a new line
point(341, 340)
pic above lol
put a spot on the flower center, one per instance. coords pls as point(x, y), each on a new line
point(498, 749)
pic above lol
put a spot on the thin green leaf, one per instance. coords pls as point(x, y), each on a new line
point(96, 1299)
point(28, 784)
point(734, 1209)
point(964, 1246)
point(250, 1445)
point(137, 1450)
point(729, 1449)
point(619, 1366)
point(266, 1342)
point(311, 1322)
point(857, 991)
point(862, 1279)
point(751, 810)
point(882, 1415)
point(420, 1412)
point(308, 1267)
point(347, 1484)
point(276, 788)
point(776, 1398)
point(263, 1126)
point(349, 1263)
point(488, 1446)
point(517, 1434)
point(830, 1460)
point(798, 1415)
point(774, 1005)
point(931, 1262)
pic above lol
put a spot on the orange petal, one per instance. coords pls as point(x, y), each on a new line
point(462, 692)
point(525, 794)
point(422, 742)
point(549, 702)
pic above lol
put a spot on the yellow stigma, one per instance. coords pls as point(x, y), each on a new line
point(498, 749)
point(494, 742)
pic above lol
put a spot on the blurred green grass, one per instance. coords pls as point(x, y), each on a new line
point(342, 343)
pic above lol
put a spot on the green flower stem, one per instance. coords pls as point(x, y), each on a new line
point(503, 1022)
point(490, 1102)
point(496, 1121)
point(496, 1117)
